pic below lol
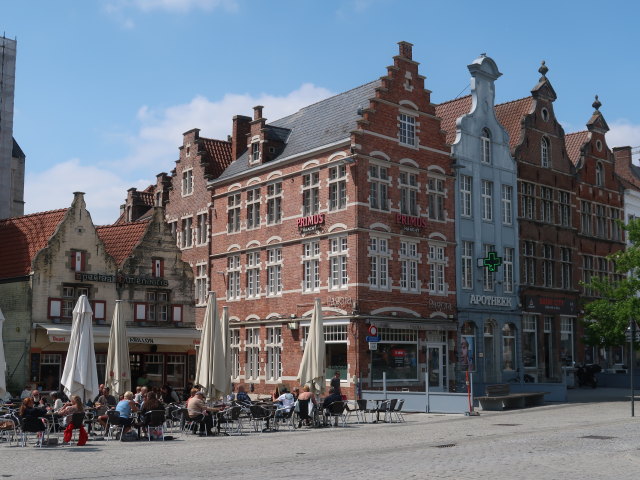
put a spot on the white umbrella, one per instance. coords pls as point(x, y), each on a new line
point(80, 375)
point(212, 370)
point(118, 371)
point(313, 366)
point(3, 364)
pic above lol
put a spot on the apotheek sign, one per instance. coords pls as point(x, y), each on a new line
point(491, 300)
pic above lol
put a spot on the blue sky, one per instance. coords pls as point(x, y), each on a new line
point(105, 88)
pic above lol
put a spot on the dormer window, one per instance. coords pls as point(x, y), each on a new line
point(599, 175)
point(486, 146)
point(255, 152)
point(544, 152)
point(407, 133)
point(187, 182)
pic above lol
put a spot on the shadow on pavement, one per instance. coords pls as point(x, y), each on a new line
point(594, 395)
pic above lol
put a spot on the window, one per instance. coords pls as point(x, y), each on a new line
point(311, 266)
point(70, 296)
point(310, 194)
point(566, 341)
point(437, 263)
point(338, 258)
point(154, 367)
point(508, 347)
point(173, 226)
point(548, 266)
point(187, 232)
point(486, 146)
point(397, 355)
point(407, 132)
point(233, 277)
point(586, 217)
point(202, 229)
point(252, 345)
point(408, 193)
point(253, 208)
point(274, 353)
point(487, 200)
point(508, 270)
point(565, 268)
point(187, 182)
point(529, 263)
point(274, 203)
point(467, 264)
point(255, 152)
point(274, 272)
point(466, 193)
point(614, 225)
point(234, 343)
point(599, 175)
point(157, 305)
point(253, 274)
point(176, 370)
point(507, 204)
point(233, 213)
point(601, 221)
point(528, 191)
point(436, 198)
point(587, 272)
point(202, 284)
point(335, 339)
point(489, 276)
point(337, 187)
point(529, 341)
point(379, 258)
point(544, 152)
point(409, 266)
point(379, 187)
point(565, 208)
point(78, 261)
point(546, 204)
point(548, 345)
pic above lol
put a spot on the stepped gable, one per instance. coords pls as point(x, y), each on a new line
point(218, 154)
point(21, 238)
point(511, 115)
point(314, 126)
point(449, 112)
point(120, 240)
point(574, 142)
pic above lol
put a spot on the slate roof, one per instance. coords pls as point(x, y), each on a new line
point(509, 115)
point(21, 238)
point(120, 240)
point(574, 142)
point(313, 126)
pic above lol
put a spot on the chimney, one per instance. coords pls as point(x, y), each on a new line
point(623, 158)
point(405, 49)
point(257, 112)
point(240, 130)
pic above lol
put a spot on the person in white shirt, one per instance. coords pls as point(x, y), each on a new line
point(286, 400)
point(26, 393)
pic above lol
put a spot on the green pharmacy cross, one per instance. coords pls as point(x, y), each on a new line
point(492, 262)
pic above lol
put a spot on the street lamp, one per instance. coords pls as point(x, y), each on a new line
point(631, 333)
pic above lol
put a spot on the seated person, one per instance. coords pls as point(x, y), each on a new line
point(57, 402)
point(242, 397)
point(26, 392)
point(38, 400)
point(200, 412)
point(125, 407)
point(332, 397)
point(74, 406)
point(105, 401)
point(31, 415)
point(306, 398)
point(151, 403)
point(285, 400)
point(169, 395)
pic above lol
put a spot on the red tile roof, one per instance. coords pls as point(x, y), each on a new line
point(120, 240)
point(449, 112)
point(219, 153)
point(509, 114)
point(21, 238)
point(574, 142)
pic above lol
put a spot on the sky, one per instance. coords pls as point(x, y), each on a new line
point(105, 88)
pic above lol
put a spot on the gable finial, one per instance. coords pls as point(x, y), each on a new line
point(543, 70)
point(597, 104)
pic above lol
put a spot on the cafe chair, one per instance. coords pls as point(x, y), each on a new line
point(284, 416)
point(154, 421)
point(336, 411)
point(231, 418)
point(305, 414)
point(397, 411)
point(38, 426)
point(76, 423)
point(9, 426)
point(259, 415)
point(114, 425)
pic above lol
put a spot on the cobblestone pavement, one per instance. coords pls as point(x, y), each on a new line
point(592, 439)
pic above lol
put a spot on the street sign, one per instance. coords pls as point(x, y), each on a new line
point(373, 346)
point(372, 339)
point(373, 331)
point(627, 336)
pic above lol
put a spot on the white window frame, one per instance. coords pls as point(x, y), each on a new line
point(234, 343)
point(201, 283)
point(437, 265)
point(274, 203)
point(466, 195)
point(489, 277)
point(338, 253)
point(379, 183)
point(507, 284)
point(311, 266)
point(437, 193)
point(274, 353)
point(274, 271)
point(202, 229)
point(253, 274)
point(187, 182)
point(485, 140)
point(530, 330)
point(234, 270)
point(310, 193)
point(337, 187)
point(233, 212)
point(252, 349)
point(409, 259)
point(379, 255)
point(507, 205)
point(407, 128)
point(187, 233)
point(408, 185)
point(487, 200)
point(544, 152)
point(253, 208)
point(565, 268)
point(466, 266)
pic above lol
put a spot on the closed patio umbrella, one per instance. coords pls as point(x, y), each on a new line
point(80, 375)
point(3, 364)
point(118, 371)
point(313, 366)
point(212, 370)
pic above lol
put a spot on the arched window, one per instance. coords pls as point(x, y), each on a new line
point(599, 175)
point(509, 347)
point(486, 146)
point(544, 152)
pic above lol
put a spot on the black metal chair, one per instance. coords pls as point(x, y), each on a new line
point(39, 426)
point(259, 415)
point(154, 421)
point(115, 425)
point(335, 411)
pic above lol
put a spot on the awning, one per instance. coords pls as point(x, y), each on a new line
point(146, 335)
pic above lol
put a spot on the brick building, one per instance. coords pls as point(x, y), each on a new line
point(49, 259)
point(349, 200)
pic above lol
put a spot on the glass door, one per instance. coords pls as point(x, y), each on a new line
point(435, 368)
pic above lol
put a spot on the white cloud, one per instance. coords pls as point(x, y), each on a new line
point(155, 146)
point(104, 189)
point(119, 9)
point(623, 133)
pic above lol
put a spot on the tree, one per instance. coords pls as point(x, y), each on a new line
point(607, 318)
